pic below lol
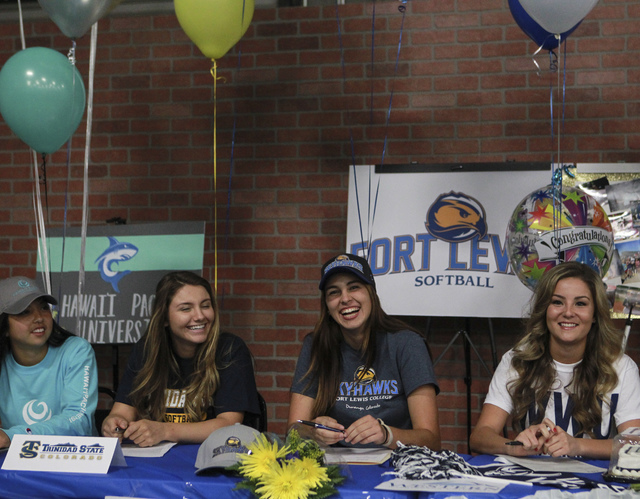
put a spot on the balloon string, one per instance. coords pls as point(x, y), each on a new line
point(85, 179)
point(373, 46)
point(22, 40)
point(559, 114)
point(554, 176)
point(231, 164)
point(72, 59)
point(351, 141)
point(402, 9)
point(43, 255)
point(214, 74)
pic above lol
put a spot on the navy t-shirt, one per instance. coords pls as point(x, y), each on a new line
point(236, 392)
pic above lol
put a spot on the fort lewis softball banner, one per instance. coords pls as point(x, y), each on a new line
point(123, 264)
point(419, 270)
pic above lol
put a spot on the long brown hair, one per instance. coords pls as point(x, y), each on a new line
point(593, 378)
point(160, 363)
point(326, 361)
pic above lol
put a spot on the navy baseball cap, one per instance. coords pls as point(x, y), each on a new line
point(346, 262)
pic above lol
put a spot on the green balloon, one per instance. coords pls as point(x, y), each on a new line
point(42, 98)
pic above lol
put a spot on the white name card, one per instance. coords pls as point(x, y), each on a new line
point(61, 453)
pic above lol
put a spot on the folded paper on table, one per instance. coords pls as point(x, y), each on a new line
point(452, 485)
point(356, 455)
point(547, 463)
point(158, 450)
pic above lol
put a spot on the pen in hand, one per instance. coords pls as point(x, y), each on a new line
point(319, 426)
point(514, 442)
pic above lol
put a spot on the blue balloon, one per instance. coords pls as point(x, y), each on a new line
point(533, 30)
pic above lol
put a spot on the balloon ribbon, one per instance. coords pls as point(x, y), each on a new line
point(214, 74)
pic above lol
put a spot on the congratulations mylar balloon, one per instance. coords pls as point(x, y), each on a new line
point(75, 17)
point(42, 97)
point(558, 16)
point(214, 25)
point(539, 236)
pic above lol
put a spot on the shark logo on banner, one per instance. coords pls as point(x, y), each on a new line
point(115, 253)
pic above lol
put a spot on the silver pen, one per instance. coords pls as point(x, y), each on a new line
point(319, 426)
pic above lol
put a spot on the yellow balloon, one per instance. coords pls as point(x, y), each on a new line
point(214, 25)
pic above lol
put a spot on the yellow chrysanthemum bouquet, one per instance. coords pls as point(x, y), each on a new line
point(294, 470)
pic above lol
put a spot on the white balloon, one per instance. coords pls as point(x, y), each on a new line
point(558, 16)
point(75, 17)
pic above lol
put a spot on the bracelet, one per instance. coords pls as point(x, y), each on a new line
point(388, 433)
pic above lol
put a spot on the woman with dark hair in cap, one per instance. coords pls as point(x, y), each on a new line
point(48, 376)
point(363, 374)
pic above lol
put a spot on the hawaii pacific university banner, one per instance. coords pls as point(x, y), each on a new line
point(123, 264)
point(421, 267)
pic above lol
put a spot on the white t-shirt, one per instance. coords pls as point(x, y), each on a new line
point(624, 399)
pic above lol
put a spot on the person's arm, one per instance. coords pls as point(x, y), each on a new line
point(122, 422)
point(118, 420)
point(301, 407)
point(5, 441)
point(543, 438)
point(78, 394)
point(562, 444)
point(423, 410)
point(487, 438)
point(146, 433)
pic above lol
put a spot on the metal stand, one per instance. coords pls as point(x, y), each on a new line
point(627, 329)
point(468, 345)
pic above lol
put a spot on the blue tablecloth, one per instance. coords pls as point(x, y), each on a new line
point(170, 476)
point(173, 476)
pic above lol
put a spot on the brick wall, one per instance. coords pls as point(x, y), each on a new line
point(465, 89)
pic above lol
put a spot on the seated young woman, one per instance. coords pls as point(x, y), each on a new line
point(567, 388)
point(48, 376)
point(185, 378)
point(362, 372)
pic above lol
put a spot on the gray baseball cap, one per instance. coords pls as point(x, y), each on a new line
point(223, 446)
point(17, 293)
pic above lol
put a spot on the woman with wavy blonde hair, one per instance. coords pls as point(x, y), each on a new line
point(566, 387)
point(185, 378)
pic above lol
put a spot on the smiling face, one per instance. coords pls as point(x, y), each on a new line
point(570, 316)
point(190, 318)
point(29, 332)
point(349, 304)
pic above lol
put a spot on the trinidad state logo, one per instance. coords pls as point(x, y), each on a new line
point(456, 218)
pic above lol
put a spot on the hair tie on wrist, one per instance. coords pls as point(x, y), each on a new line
point(388, 433)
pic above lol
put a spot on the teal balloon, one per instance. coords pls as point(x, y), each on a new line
point(42, 98)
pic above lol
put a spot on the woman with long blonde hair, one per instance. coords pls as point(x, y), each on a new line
point(185, 378)
point(566, 387)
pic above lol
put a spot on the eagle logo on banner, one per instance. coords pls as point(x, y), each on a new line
point(455, 218)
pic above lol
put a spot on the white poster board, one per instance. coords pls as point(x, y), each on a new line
point(419, 274)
